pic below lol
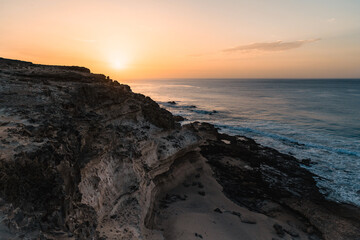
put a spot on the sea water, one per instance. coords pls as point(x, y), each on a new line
point(307, 118)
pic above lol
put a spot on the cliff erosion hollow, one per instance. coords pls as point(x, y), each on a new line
point(83, 157)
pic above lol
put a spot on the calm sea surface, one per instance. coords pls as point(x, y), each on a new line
point(316, 119)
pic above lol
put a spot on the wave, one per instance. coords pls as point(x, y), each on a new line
point(284, 139)
point(291, 140)
point(174, 104)
point(191, 108)
point(204, 112)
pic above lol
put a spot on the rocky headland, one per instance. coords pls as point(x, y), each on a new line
point(83, 157)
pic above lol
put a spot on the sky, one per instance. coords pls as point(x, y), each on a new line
point(161, 39)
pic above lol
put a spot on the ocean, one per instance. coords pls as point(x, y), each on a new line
point(317, 119)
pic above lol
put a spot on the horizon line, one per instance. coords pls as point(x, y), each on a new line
point(245, 78)
point(197, 78)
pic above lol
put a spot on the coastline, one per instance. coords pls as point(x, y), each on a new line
point(83, 157)
point(308, 120)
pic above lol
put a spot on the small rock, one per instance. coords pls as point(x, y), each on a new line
point(183, 198)
point(279, 230)
point(4, 123)
point(290, 223)
point(310, 229)
point(291, 232)
point(172, 102)
point(178, 118)
point(248, 220)
point(202, 193)
point(217, 210)
point(236, 213)
point(198, 235)
point(18, 215)
point(314, 237)
point(306, 162)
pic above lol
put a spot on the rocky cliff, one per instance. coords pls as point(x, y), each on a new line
point(83, 157)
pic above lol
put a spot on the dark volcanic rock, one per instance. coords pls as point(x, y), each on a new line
point(252, 175)
point(156, 115)
point(307, 162)
point(178, 118)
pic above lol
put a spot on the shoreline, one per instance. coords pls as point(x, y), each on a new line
point(83, 157)
point(335, 165)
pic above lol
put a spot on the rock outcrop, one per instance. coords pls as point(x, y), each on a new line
point(269, 182)
point(80, 152)
point(83, 157)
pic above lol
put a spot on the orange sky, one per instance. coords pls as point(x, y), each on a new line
point(187, 39)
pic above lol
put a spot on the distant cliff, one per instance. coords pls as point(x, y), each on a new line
point(83, 157)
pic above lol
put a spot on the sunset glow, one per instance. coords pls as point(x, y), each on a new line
point(187, 39)
point(180, 119)
point(118, 63)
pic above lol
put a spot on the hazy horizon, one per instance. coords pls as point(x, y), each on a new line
point(192, 78)
point(171, 40)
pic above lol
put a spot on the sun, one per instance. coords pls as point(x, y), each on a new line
point(117, 60)
point(118, 64)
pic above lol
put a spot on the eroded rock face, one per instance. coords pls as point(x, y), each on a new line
point(79, 152)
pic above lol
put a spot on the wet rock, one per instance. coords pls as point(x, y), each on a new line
point(179, 118)
point(307, 162)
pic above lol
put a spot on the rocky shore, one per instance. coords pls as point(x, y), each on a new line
point(83, 157)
